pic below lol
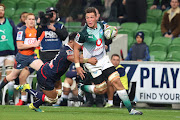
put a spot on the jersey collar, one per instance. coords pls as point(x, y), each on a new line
point(68, 46)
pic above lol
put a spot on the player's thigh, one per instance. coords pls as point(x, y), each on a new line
point(50, 93)
point(9, 61)
point(36, 64)
point(113, 77)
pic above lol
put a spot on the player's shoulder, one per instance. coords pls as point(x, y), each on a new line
point(23, 28)
point(59, 25)
point(119, 66)
point(66, 49)
point(21, 33)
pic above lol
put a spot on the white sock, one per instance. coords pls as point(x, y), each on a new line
point(110, 102)
point(65, 96)
point(91, 88)
point(24, 98)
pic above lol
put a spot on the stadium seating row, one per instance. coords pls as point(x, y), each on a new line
point(13, 8)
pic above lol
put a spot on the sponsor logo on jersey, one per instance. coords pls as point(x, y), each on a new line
point(19, 65)
point(69, 52)
point(50, 34)
point(77, 37)
point(3, 37)
point(99, 42)
point(90, 36)
point(19, 35)
point(31, 41)
point(3, 31)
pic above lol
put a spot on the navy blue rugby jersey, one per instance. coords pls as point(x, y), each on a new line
point(59, 65)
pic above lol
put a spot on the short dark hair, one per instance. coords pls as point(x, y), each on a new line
point(91, 10)
point(3, 5)
point(115, 55)
point(72, 36)
point(23, 13)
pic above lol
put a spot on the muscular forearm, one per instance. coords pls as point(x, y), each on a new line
point(24, 46)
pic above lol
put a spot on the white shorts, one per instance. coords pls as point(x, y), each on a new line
point(101, 65)
point(8, 57)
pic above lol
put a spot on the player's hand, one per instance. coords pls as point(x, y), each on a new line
point(153, 7)
point(51, 27)
point(80, 72)
point(36, 43)
point(92, 61)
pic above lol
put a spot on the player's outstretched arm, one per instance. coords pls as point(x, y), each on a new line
point(79, 69)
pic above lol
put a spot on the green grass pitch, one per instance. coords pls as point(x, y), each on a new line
point(83, 113)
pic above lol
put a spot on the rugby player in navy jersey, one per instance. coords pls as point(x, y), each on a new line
point(49, 74)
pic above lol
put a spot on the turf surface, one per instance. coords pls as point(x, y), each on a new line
point(82, 113)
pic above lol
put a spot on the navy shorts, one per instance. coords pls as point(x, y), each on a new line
point(24, 60)
point(45, 82)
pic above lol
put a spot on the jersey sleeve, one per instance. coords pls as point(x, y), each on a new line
point(80, 39)
point(69, 53)
point(121, 71)
point(21, 35)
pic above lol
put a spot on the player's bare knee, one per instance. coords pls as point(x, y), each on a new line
point(73, 85)
point(66, 84)
point(101, 88)
point(113, 77)
point(8, 68)
point(69, 80)
point(102, 92)
point(51, 100)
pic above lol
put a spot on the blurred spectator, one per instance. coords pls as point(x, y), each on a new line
point(122, 15)
point(162, 5)
point(94, 3)
point(54, 34)
point(136, 10)
point(139, 50)
point(22, 20)
point(115, 59)
point(170, 26)
point(107, 5)
point(8, 48)
point(70, 10)
point(114, 11)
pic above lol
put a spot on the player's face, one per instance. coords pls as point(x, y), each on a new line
point(30, 21)
point(115, 61)
point(1, 12)
point(139, 39)
point(91, 20)
point(174, 4)
point(23, 17)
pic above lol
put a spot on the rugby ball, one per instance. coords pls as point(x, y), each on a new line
point(110, 32)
